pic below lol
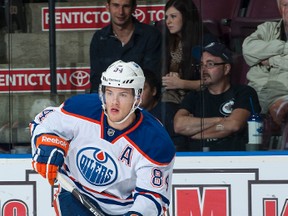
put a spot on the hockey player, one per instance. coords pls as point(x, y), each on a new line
point(116, 154)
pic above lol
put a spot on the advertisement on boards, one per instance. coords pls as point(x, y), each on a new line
point(230, 186)
point(201, 186)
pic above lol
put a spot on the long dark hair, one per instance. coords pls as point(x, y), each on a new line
point(191, 36)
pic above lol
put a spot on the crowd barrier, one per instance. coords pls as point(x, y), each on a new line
point(203, 184)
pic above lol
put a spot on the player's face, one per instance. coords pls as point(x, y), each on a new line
point(174, 20)
point(283, 7)
point(120, 11)
point(212, 75)
point(119, 102)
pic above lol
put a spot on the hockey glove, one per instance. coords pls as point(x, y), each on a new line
point(49, 156)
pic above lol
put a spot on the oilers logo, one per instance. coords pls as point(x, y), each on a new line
point(96, 166)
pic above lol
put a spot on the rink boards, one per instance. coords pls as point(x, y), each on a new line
point(204, 184)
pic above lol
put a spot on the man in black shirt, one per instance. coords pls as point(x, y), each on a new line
point(126, 39)
point(215, 118)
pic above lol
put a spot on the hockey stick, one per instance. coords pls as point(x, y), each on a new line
point(72, 189)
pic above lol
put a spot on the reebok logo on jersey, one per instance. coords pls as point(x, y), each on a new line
point(96, 166)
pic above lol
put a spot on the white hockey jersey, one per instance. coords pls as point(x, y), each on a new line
point(112, 167)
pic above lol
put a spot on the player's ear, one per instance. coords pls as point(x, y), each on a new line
point(139, 96)
point(139, 93)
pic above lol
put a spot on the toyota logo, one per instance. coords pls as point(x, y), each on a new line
point(80, 78)
point(140, 15)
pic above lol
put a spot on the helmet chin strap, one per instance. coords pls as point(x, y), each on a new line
point(134, 107)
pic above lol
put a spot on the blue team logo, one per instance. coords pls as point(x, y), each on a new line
point(96, 166)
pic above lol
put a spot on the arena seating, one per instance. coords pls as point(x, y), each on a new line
point(262, 9)
point(217, 15)
point(214, 22)
point(258, 11)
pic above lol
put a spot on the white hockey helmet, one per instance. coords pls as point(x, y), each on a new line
point(122, 74)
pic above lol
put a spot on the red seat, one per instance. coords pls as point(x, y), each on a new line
point(263, 9)
point(271, 134)
point(258, 11)
point(215, 14)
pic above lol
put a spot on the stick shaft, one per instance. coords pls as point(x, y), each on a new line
point(69, 187)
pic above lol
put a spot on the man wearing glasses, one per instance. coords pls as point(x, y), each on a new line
point(215, 118)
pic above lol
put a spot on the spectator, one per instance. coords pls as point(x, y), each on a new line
point(124, 38)
point(266, 52)
point(151, 101)
point(216, 117)
point(183, 34)
point(118, 156)
point(151, 94)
